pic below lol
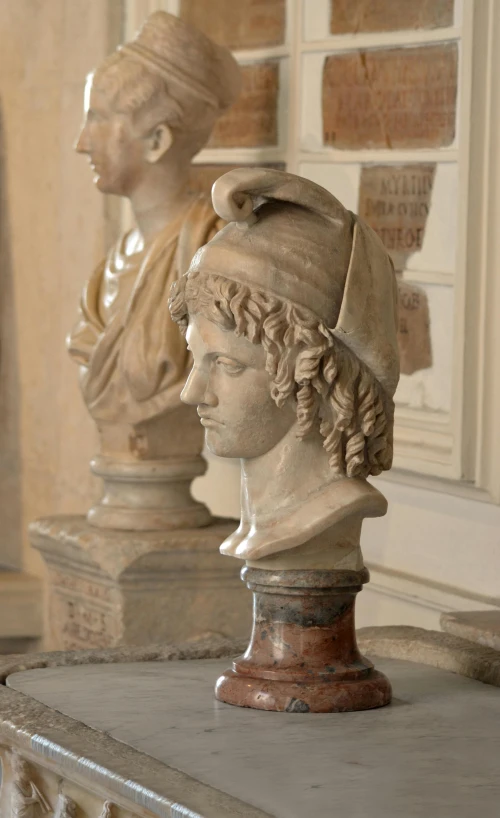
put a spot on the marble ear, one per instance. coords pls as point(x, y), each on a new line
point(158, 142)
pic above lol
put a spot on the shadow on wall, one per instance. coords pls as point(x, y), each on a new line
point(10, 444)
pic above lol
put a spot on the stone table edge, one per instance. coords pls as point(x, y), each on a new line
point(437, 649)
point(116, 551)
point(433, 648)
point(65, 744)
point(469, 625)
point(41, 732)
point(29, 726)
point(212, 647)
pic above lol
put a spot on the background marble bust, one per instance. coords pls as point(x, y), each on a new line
point(290, 313)
point(150, 107)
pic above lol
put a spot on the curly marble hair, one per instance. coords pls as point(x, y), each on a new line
point(330, 385)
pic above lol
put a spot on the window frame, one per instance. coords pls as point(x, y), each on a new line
point(461, 448)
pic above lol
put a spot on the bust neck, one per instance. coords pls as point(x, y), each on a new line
point(285, 476)
point(158, 198)
point(291, 498)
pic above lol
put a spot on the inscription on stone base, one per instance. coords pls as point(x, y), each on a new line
point(109, 588)
point(82, 614)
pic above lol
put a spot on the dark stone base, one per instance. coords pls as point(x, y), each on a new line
point(303, 656)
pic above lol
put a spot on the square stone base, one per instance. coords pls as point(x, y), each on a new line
point(109, 588)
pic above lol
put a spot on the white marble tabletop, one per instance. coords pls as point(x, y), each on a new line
point(435, 752)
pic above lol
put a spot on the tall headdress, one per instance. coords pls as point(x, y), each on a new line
point(186, 58)
point(292, 238)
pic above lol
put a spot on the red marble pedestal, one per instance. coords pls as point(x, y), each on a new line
point(303, 656)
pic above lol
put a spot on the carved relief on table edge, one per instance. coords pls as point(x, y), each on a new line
point(66, 807)
point(27, 801)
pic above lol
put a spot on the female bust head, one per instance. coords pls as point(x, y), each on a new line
point(164, 89)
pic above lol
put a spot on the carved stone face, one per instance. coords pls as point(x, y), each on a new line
point(112, 144)
point(232, 390)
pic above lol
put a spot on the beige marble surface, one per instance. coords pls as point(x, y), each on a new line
point(92, 767)
point(432, 752)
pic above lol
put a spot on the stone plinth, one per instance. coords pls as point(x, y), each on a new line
point(147, 472)
point(303, 656)
point(109, 588)
point(482, 627)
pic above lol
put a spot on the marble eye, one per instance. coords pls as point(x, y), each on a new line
point(230, 366)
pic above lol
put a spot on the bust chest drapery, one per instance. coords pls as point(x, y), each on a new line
point(132, 357)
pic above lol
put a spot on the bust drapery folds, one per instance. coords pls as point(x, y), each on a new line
point(133, 359)
point(150, 107)
point(302, 276)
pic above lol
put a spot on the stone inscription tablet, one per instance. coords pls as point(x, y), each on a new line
point(395, 200)
point(414, 328)
point(252, 121)
point(82, 614)
point(390, 98)
point(353, 16)
point(238, 23)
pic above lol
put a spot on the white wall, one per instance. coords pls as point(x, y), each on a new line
point(433, 552)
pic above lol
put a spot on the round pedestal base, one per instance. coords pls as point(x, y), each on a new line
point(122, 518)
point(303, 656)
point(315, 697)
point(148, 495)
